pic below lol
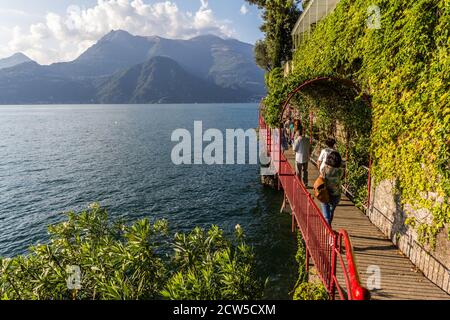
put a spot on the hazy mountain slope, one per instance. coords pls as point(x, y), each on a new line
point(14, 60)
point(229, 63)
point(20, 85)
point(115, 51)
point(162, 80)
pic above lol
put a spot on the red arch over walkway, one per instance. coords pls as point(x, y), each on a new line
point(359, 291)
point(348, 83)
point(345, 82)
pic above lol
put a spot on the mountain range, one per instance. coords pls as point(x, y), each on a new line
point(123, 68)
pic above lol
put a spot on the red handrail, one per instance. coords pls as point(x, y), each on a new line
point(323, 245)
point(357, 292)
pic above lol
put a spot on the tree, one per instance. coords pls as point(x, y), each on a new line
point(261, 55)
point(279, 18)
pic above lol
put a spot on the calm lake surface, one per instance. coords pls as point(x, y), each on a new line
point(59, 158)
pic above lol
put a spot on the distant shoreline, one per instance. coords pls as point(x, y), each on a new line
point(122, 104)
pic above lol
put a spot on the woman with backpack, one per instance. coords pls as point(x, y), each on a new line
point(330, 143)
point(331, 173)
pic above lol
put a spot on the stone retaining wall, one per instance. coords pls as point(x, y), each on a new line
point(386, 213)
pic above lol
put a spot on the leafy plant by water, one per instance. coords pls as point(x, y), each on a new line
point(304, 288)
point(118, 261)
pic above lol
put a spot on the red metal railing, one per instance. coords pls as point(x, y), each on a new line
point(324, 246)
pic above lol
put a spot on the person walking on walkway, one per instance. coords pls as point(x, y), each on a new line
point(332, 173)
point(287, 131)
point(284, 137)
point(302, 149)
point(292, 131)
point(330, 143)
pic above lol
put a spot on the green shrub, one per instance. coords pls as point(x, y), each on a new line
point(210, 266)
point(305, 290)
point(118, 262)
point(310, 291)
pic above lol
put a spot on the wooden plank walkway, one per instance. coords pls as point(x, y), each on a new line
point(400, 280)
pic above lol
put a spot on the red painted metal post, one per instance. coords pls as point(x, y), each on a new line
point(279, 150)
point(293, 221)
point(308, 227)
point(335, 249)
point(294, 203)
point(307, 261)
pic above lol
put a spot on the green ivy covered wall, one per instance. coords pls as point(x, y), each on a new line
point(404, 67)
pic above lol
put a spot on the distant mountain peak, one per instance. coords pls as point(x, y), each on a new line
point(14, 60)
point(155, 38)
point(117, 35)
point(20, 55)
point(210, 37)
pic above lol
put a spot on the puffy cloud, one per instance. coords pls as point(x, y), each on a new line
point(244, 10)
point(64, 37)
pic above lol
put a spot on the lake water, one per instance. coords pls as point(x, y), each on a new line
point(59, 158)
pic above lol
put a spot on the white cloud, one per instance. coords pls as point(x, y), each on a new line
point(13, 12)
point(244, 9)
point(65, 37)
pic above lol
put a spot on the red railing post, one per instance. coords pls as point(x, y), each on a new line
point(279, 149)
point(294, 202)
point(293, 221)
point(307, 261)
point(335, 248)
point(308, 227)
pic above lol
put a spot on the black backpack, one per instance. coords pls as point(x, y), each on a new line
point(334, 160)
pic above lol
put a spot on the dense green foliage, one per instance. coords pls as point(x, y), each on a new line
point(279, 18)
point(211, 267)
point(118, 261)
point(305, 290)
point(262, 55)
point(310, 291)
point(405, 67)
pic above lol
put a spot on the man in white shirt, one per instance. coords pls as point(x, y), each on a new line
point(302, 149)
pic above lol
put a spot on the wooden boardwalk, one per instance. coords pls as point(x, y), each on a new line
point(400, 280)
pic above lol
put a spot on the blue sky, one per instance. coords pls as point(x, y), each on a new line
point(59, 30)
